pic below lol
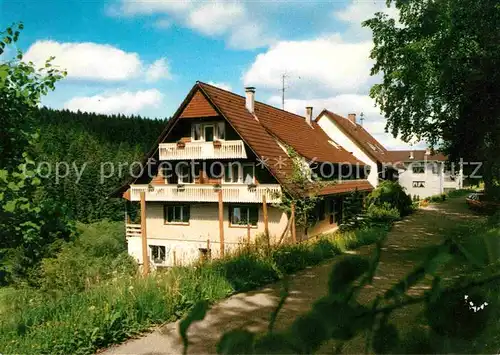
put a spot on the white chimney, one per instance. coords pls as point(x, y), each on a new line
point(352, 117)
point(427, 151)
point(411, 155)
point(250, 99)
point(309, 115)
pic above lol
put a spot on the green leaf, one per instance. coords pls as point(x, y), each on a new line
point(237, 341)
point(10, 206)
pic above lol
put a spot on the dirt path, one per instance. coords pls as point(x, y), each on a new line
point(405, 246)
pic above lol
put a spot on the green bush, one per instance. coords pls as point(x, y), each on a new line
point(382, 214)
point(122, 306)
point(98, 253)
point(393, 194)
point(436, 198)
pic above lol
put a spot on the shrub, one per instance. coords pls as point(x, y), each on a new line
point(393, 194)
point(436, 198)
point(382, 214)
point(97, 254)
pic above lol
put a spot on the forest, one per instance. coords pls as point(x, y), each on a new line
point(87, 140)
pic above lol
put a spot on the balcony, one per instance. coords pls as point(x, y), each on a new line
point(240, 193)
point(203, 150)
point(132, 230)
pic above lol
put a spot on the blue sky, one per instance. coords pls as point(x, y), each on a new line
point(143, 56)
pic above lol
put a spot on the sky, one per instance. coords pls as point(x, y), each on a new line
point(143, 56)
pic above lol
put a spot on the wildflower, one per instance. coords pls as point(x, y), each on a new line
point(130, 288)
point(91, 308)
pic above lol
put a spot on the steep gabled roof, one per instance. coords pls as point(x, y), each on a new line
point(261, 132)
point(360, 135)
point(418, 155)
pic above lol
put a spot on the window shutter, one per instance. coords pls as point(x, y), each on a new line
point(170, 213)
point(253, 215)
point(186, 213)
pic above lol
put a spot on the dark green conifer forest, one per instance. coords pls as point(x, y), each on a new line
point(88, 141)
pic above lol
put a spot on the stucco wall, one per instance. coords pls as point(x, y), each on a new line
point(186, 240)
point(433, 182)
point(348, 144)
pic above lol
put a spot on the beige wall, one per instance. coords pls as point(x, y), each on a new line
point(186, 240)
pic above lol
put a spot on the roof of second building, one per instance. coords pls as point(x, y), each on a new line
point(414, 155)
point(360, 135)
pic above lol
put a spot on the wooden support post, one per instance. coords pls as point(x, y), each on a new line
point(144, 238)
point(209, 252)
point(248, 234)
point(266, 219)
point(175, 258)
point(294, 231)
point(221, 224)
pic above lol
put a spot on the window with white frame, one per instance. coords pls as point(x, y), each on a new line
point(418, 169)
point(237, 173)
point(243, 215)
point(176, 214)
point(418, 184)
point(208, 132)
point(157, 254)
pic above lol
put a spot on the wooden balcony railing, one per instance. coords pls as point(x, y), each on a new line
point(203, 150)
point(132, 230)
point(208, 193)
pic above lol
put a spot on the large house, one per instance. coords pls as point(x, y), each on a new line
point(421, 173)
point(216, 176)
point(424, 174)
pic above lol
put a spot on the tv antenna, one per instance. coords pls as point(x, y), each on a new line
point(361, 118)
point(283, 88)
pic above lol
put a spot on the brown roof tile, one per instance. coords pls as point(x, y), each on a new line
point(418, 155)
point(359, 135)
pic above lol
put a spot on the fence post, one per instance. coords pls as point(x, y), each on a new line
point(144, 238)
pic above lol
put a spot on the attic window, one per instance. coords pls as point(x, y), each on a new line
point(334, 144)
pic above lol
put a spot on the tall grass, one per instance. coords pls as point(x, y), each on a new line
point(119, 308)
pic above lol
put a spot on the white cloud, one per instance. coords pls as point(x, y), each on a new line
point(360, 10)
point(118, 102)
point(223, 18)
point(324, 65)
point(92, 61)
point(344, 104)
point(158, 70)
point(223, 86)
point(215, 18)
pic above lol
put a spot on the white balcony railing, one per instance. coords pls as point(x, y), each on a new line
point(132, 230)
point(207, 193)
point(203, 150)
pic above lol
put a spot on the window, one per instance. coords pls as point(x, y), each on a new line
point(157, 253)
point(236, 173)
point(240, 215)
point(418, 184)
point(248, 174)
point(176, 213)
point(185, 174)
point(418, 169)
point(209, 133)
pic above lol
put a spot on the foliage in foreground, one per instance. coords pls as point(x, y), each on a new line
point(30, 223)
point(455, 314)
point(116, 309)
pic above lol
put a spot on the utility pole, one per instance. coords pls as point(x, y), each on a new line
point(361, 118)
